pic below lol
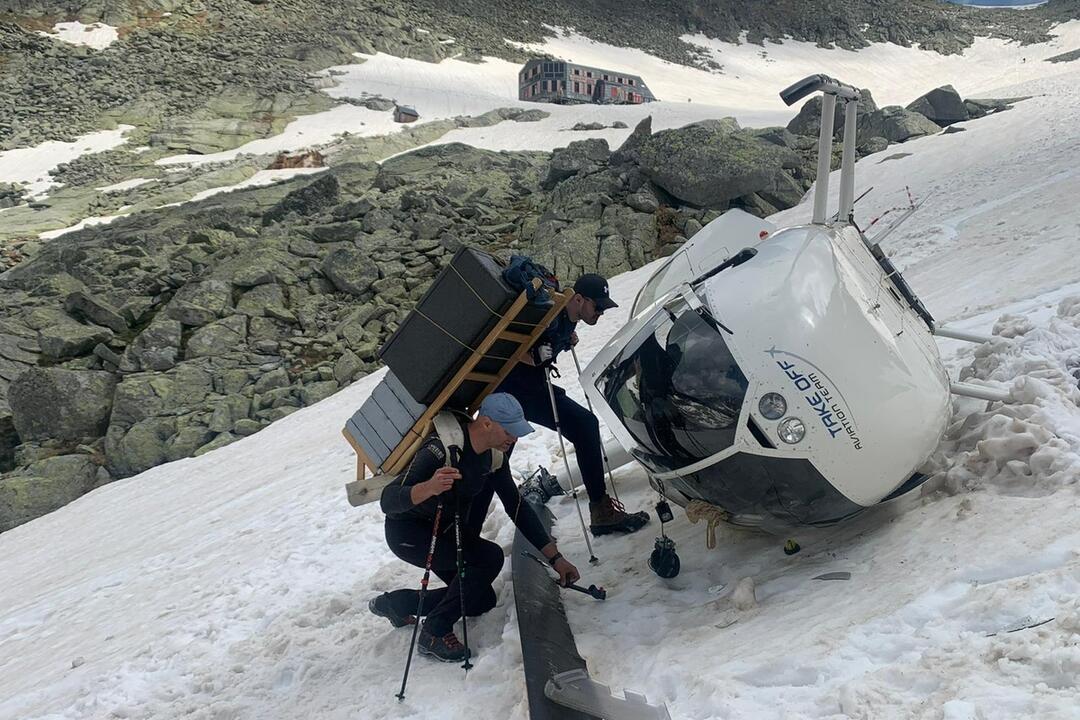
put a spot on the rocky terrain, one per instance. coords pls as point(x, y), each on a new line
point(175, 331)
point(201, 76)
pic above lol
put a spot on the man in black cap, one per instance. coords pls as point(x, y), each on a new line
point(528, 383)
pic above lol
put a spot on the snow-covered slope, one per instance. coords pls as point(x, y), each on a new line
point(234, 585)
point(747, 88)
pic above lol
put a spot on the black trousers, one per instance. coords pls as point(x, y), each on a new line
point(579, 426)
point(483, 560)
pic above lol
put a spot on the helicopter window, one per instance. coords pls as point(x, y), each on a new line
point(676, 270)
point(678, 390)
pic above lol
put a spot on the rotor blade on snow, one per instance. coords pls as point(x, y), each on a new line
point(1024, 623)
point(842, 575)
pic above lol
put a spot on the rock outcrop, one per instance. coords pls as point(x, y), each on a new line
point(941, 106)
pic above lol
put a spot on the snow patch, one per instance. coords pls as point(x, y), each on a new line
point(85, 223)
point(259, 179)
point(304, 132)
point(31, 166)
point(98, 35)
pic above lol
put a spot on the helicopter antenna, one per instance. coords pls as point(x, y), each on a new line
point(908, 211)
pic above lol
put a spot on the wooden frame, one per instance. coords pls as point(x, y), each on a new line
point(403, 453)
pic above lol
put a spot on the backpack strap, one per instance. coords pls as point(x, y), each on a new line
point(450, 432)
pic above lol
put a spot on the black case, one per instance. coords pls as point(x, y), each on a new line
point(463, 305)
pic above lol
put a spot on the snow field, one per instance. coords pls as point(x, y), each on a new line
point(85, 222)
point(234, 585)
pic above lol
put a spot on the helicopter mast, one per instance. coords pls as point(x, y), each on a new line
point(833, 91)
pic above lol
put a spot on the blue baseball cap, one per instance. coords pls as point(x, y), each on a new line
point(504, 409)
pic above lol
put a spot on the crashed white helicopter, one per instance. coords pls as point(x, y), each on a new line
point(786, 377)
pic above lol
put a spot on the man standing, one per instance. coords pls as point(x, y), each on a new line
point(528, 383)
point(468, 481)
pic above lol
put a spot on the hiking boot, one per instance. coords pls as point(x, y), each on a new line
point(383, 607)
point(446, 648)
point(609, 515)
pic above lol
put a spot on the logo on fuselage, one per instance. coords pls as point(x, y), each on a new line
point(821, 395)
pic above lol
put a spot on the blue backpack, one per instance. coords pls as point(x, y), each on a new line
point(520, 273)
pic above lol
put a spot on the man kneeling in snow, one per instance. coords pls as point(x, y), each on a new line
point(471, 478)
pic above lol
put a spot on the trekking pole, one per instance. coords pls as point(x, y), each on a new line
point(603, 450)
point(461, 579)
point(566, 462)
point(423, 591)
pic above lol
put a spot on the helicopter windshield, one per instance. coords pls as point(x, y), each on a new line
point(674, 271)
point(677, 390)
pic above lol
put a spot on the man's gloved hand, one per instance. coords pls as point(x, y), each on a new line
point(543, 355)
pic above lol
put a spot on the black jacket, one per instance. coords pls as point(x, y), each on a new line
point(558, 334)
point(474, 491)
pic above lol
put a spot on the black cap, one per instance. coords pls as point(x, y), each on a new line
point(595, 287)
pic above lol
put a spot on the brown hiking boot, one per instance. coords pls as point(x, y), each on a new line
point(609, 515)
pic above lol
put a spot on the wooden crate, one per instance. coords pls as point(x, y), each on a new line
point(365, 489)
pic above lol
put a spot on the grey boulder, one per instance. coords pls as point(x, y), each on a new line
point(156, 348)
point(61, 404)
point(808, 121)
point(896, 124)
point(578, 156)
point(351, 270)
point(44, 486)
point(709, 165)
point(82, 306)
point(218, 338)
point(942, 106)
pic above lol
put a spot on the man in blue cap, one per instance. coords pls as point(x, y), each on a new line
point(478, 470)
point(528, 383)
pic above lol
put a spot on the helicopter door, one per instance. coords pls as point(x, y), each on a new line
point(677, 389)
